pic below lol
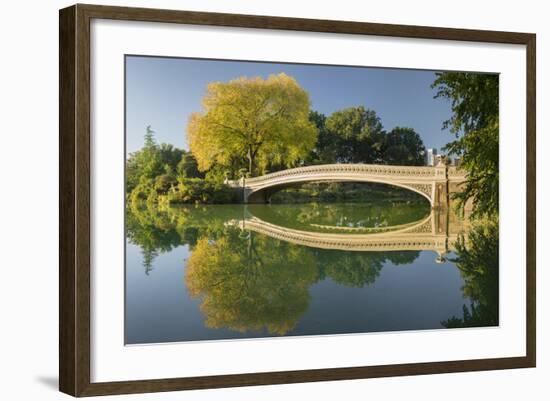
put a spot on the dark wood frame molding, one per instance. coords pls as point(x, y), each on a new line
point(74, 199)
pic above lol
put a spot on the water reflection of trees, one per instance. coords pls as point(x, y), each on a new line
point(161, 230)
point(257, 283)
point(251, 282)
point(248, 281)
point(478, 262)
point(153, 232)
point(375, 214)
point(357, 269)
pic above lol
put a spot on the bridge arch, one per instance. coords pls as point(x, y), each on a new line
point(431, 182)
point(436, 232)
point(262, 194)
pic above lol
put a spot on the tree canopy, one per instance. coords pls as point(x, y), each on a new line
point(150, 162)
point(252, 123)
point(357, 135)
point(165, 174)
point(474, 101)
point(403, 146)
point(256, 126)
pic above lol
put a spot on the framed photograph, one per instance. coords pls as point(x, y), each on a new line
point(250, 200)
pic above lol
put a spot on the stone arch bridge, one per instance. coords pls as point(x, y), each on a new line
point(437, 232)
point(434, 183)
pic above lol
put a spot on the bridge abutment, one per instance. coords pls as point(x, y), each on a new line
point(440, 195)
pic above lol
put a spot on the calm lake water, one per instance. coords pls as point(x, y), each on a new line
point(234, 271)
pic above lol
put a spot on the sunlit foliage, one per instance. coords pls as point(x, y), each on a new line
point(251, 284)
point(252, 123)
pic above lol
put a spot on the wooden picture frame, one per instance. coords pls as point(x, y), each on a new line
point(75, 207)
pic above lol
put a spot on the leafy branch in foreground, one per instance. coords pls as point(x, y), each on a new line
point(474, 102)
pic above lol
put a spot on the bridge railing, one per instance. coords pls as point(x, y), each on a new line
point(455, 172)
point(425, 172)
point(353, 242)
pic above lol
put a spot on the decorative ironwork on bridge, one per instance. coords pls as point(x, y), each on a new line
point(437, 232)
point(433, 183)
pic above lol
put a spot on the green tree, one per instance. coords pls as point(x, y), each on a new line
point(152, 231)
point(322, 153)
point(197, 190)
point(164, 183)
point(356, 136)
point(250, 283)
point(358, 269)
point(352, 269)
point(188, 167)
point(252, 122)
point(157, 230)
point(477, 258)
point(150, 162)
point(403, 146)
point(474, 101)
point(169, 156)
point(150, 141)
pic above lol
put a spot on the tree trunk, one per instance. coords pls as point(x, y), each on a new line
point(250, 160)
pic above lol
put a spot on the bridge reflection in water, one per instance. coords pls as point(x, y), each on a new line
point(437, 232)
point(274, 270)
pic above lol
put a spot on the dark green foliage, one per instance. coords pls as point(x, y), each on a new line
point(358, 269)
point(163, 173)
point(197, 190)
point(323, 151)
point(150, 162)
point(150, 141)
point(152, 232)
point(474, 99)
point(188, 167)
point(403, 146)
point(169, 156)
point(163, 183)
point(356, 135)
point(344, 192)
point(478, 261)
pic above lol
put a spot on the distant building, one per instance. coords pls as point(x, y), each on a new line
point(431, 154)
point(439, 160)
point(457, 161)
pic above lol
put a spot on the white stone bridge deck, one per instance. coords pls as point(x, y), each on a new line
point(433, 183)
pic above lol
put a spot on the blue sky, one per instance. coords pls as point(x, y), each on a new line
point(163, 92)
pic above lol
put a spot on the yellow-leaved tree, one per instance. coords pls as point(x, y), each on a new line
point(252, 122)
point(251, 284)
